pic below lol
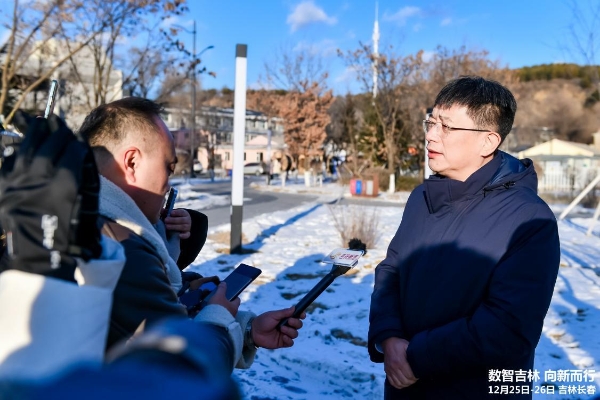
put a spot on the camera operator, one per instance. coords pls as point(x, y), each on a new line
point(56, 291)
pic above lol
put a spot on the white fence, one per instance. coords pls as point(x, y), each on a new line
point(565, 179)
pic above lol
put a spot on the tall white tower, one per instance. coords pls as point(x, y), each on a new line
point(375, 48)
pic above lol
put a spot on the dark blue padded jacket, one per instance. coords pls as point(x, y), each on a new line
point(467, 280)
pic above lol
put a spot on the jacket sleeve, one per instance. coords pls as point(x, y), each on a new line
point(143, 293)
point(176, 358)
point(248, 352)
point(384, 316)
point(508, 323)
point(190, 247)
point(235, 327)
point(204, 347)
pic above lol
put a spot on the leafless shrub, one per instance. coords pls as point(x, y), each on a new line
point(356, 222)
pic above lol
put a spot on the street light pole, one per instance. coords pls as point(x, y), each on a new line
point(193, 71)
point(192, 149)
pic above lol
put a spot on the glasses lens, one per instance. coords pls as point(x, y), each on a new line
point(445, 129)
point(427, 125)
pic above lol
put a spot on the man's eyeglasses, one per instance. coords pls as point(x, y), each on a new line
point(428, 125)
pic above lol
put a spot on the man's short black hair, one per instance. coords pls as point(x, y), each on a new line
point(112, 122)
point(489, 104)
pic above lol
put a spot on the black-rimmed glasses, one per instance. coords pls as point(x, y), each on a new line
point(428, 125)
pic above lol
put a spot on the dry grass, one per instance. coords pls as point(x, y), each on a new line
point(344, 335)
point(223, 237)
point(356, 222)
point(222, 240)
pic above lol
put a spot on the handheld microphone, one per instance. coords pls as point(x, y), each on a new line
point(51, 98)
point(343, 260)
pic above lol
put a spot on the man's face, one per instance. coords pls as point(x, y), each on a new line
point(152, 176)
point(456, 154)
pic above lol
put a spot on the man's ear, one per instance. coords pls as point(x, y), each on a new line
point(131, 162)
point(491, 142)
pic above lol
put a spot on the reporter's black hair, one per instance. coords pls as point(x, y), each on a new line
point(111, 123)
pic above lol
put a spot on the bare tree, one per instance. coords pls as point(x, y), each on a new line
point(344, 129)
point(125, 20)
point(149, 64)
point(303, 100)
point(45, 36)
point(292, 69)
point(173, 88)
point(583, 43)
point(32, 27)
point(386, 134)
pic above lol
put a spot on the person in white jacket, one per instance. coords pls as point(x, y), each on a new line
point(58, 272)
point(56, 283)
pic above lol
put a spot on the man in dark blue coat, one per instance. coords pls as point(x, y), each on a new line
point(459, 301)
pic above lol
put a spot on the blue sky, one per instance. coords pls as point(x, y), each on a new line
point(516, 32)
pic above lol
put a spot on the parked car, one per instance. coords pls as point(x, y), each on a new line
point(198, 168)
point(255, 168)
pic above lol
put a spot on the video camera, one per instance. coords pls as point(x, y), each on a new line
point(10, 139)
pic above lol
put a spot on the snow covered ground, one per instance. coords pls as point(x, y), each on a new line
point(329, 359)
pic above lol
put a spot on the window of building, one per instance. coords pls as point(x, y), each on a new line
point(227, 156)
point(259, 156)
point(244, 156)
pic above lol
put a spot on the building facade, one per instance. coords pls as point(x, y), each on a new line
point(213, 139)
point(82, 86)
point(564, 167)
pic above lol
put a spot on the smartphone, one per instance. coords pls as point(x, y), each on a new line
point(239, 280)
point(169, 204)
point(192, 298)
point(51, 98)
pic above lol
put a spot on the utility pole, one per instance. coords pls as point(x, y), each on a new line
point(195, 61)
point(193, 134)
point(375, 49)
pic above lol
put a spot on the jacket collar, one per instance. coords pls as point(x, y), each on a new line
point(116, 205)
point(441, 191)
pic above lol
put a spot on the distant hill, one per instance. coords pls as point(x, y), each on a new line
point(548, 72)
point(559, 107)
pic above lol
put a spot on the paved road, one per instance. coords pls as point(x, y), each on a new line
point(369, 202)
point(256, 202)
